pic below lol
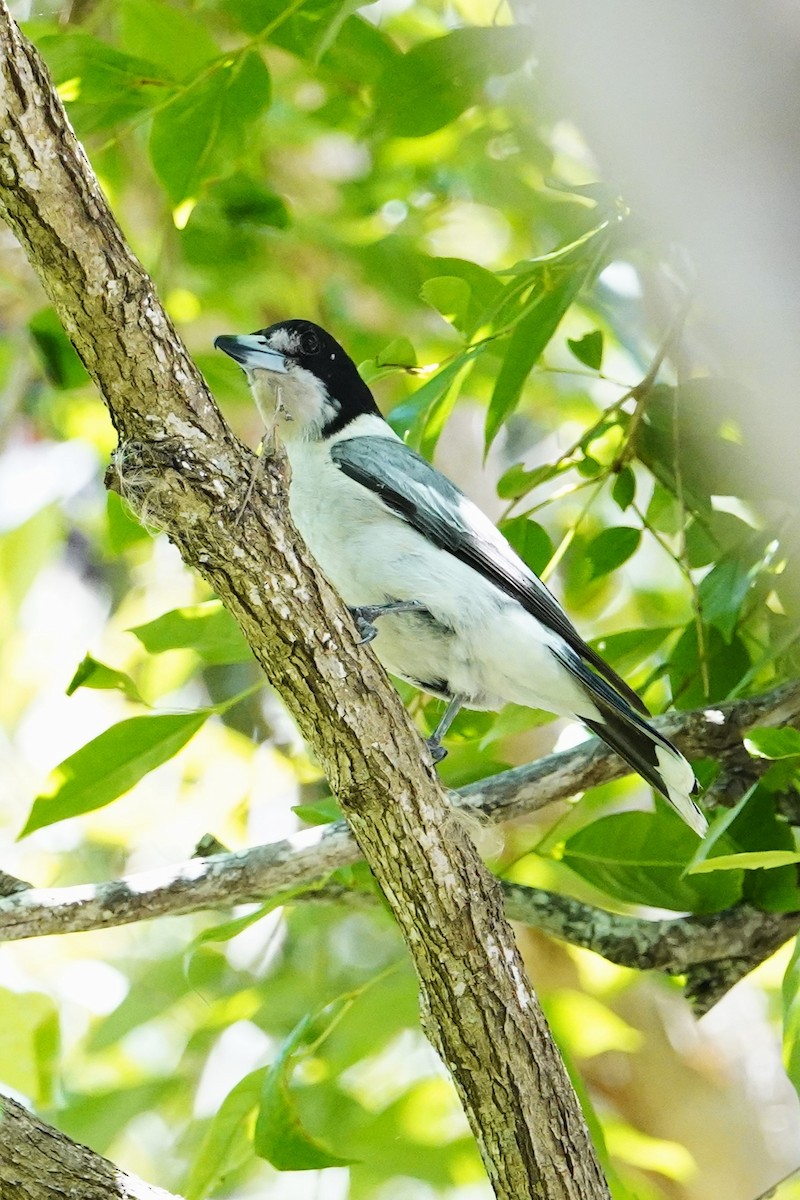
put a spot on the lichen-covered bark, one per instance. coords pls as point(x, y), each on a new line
point(180, 462)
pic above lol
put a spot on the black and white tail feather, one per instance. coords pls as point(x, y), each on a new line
point(636, 741)
point(461, 615)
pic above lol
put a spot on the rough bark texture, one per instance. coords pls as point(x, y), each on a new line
point(39, 1163)
point(180, 463)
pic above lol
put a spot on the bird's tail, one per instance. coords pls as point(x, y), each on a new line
point(641, 746)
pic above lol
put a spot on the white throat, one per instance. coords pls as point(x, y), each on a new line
point(296, 402)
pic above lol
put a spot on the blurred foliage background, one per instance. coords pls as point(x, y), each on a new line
point(398, 172)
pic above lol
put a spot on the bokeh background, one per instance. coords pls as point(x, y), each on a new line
point(496, 221)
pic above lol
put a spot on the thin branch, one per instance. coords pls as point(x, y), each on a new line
point(307, 858)
point(38, 1162)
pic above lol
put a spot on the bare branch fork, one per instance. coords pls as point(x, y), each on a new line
point(478, 1008)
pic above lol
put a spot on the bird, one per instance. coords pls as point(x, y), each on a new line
point(446, 602)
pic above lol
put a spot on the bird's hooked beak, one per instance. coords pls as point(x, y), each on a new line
point(251, 352)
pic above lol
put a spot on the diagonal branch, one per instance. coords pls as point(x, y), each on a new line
point(179, 459)
point(38, 1162)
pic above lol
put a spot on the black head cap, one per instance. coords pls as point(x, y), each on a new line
point(311, 347)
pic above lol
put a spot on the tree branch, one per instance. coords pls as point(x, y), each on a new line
point(181, 461)
point(38, 1162)
point(722, 946)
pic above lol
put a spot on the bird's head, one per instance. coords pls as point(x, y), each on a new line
point(300, 376)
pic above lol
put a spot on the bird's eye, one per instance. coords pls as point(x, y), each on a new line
point(309, 343)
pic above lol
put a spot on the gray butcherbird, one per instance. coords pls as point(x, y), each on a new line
point(461, 616)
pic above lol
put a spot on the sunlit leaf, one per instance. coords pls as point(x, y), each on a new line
point(773, 743)
point(747, 860)
point(101, 84)
point(517, 481)
point(398, 353)
point(588, 349)
point(208, 629)
point(90, 673)
point(169, 35)
point(111, 764)
point(554, 291)
point(29, 1041)
point(450, 296)
point(627, 650)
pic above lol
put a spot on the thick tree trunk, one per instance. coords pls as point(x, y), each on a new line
point(180, 464)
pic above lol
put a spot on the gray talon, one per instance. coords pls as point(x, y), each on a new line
point(365, 615)
point(437, 750)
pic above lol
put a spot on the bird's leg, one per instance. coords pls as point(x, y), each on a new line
point(254, 474)
point(435, 746)
point(266, 449)
point(365, 615)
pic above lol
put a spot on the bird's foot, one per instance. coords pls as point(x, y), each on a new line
point(365, 615)
point(434, 742)
point(436, 749)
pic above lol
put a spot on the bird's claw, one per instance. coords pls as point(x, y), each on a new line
point(365, 615)
point(437, 750)
point(364, 626)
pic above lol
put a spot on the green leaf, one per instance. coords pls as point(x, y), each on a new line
point(773, 743)
point(641, 858)
point(624, 489)
point(242, 201)
point(664, 512)
point(208, 629)
point(627, 650)
point(322, 812)
point(410, 415)
point(93, 674)
point(398, 353)
point(722, 592)
point(101, 85)
point(111, 764)
point(122, 529)
point(725, 664)
point(167, 34)
point(61, 364)
point(531, 542)
point(450, 296)
point(484, 287)
point(205, 131)
point(555, 290)
point(29, 1041)
point(588, 349)
point(791, 1017)
point(437, 80)
point(227, 1144)
point(747, 860)
point(517, 481)
point(279, 1136)
point(611, 548)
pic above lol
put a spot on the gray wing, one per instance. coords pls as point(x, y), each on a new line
point(419, 494)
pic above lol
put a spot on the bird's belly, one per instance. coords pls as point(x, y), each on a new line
point(473, 641)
